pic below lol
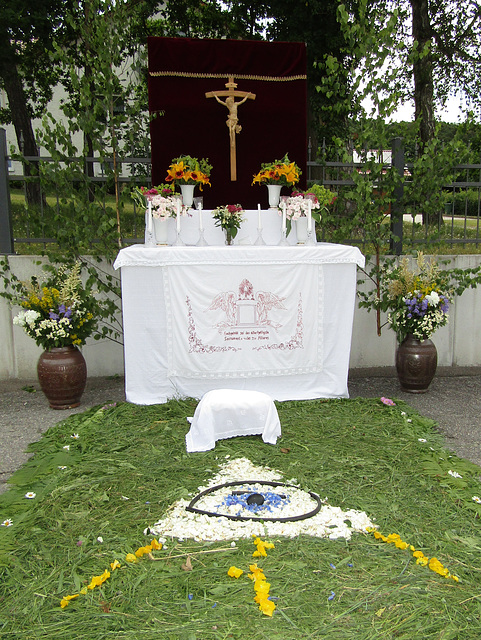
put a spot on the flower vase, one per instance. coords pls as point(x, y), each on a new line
point(62, 374)
point(229, 240)
point(416, 362)
point(161, 230)
point(274, 195)
point(301, 230)
point(187, 191)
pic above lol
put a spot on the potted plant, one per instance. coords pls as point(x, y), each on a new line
point(276, 175)
point(188, 172)
point(417, 303)
point(59, 314)
point(229, 218)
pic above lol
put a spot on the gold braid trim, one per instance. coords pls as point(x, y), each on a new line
point(188, 74)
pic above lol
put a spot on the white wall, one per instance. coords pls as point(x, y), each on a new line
point(458, 343)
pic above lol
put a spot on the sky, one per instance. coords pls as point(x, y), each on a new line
point(451, 112)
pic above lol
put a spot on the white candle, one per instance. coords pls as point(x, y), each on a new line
point(178, 215)
point(309, 217)
point(149, 216)
point(284, 224)
point(259, 219)
point(201, 223)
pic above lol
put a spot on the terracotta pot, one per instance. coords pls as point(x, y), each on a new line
point(416, 362)
point(62, 373)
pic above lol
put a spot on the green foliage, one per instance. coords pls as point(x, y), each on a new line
point(103, 118)
point(129, 465)
point(393, 282)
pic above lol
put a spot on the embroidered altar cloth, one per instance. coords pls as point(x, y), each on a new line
point(275, 319)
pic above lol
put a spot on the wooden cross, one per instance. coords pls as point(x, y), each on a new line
point(232, 122)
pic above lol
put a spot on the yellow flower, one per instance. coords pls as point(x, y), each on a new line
point(262, 589)
point(98, 580)
point(143, 550)
point(66, 599)
point(115, 565)
point(130, 557)
point(156, 545)
point(234, 572)
point(267, 607)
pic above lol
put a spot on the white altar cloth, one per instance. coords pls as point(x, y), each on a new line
point(226, 413)
point(275, 319)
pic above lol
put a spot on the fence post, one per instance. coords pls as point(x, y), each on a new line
point(397, 162)
point(6, 232)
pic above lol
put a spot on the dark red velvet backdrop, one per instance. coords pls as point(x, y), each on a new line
point(273, 124)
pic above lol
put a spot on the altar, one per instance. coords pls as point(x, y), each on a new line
point(274, 318)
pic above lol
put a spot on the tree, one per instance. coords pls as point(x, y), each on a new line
point(26, 71)
point(420, 50)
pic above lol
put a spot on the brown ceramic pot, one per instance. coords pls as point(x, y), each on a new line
point(62, 374)
point(416, 362)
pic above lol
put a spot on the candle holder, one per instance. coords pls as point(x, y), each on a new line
point(201, 241)
point(260, 240)
point(178, 240)
point(311, 238)
point(283, 241)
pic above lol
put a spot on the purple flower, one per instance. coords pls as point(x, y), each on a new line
point(53, 316)
point(332, 596)
point(388, 402)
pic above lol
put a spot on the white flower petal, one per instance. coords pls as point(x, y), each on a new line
point(331, 522)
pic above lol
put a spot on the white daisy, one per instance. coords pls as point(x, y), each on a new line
point(477, 499)
point(8, 522)
point(75, 436)
point(67, 447)
point(30, 495)
point(455, 474)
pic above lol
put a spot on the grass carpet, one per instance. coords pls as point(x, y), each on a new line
point(129, 464)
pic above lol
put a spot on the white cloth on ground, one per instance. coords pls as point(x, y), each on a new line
point(226, 413)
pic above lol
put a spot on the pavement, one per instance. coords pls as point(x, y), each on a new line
point(453, 401)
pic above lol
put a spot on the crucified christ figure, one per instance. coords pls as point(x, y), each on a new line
point(232, 121)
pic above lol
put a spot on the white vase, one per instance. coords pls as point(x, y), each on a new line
point(274, 195)
point(301, 230)
point(161, 230)
point(187, 191)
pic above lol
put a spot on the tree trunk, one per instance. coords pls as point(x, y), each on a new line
point(423, 82)
point(22, 122)
point(423, 71)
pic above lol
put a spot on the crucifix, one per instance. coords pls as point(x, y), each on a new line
point(232, 122)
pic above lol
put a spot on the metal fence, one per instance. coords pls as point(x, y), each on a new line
point(460, 220)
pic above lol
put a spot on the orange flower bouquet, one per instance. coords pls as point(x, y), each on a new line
point(188, 170)
point(281, 172)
